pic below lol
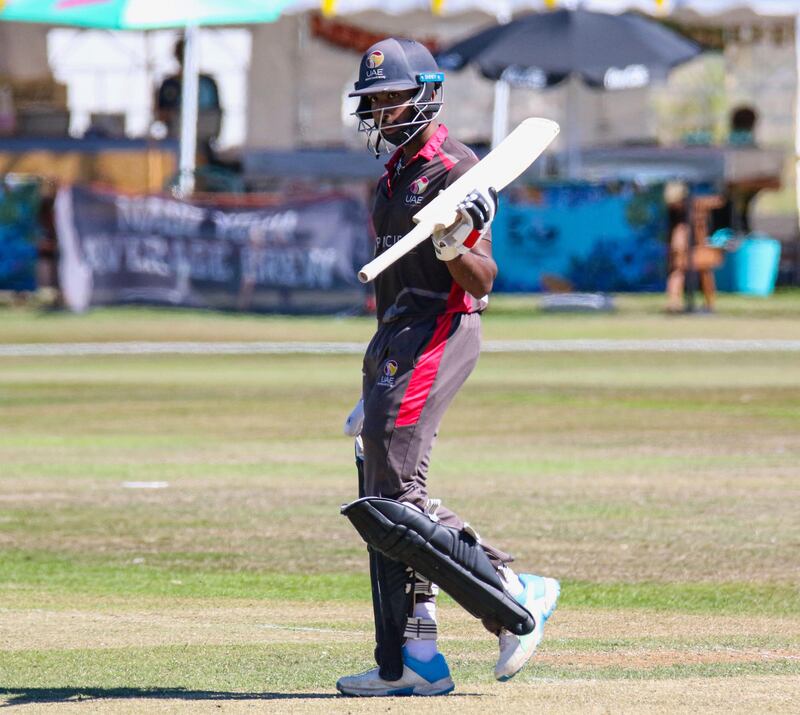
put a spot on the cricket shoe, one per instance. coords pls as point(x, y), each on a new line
point(539, 597)
point(419, 678)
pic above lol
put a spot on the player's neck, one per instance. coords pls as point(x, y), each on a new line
point(411, 149)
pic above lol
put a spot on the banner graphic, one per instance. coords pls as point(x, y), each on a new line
point(19, 233)
point(582, 237)
point(294, 256)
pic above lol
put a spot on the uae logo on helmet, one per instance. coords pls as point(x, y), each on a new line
point(375, 59)
point(419, 185)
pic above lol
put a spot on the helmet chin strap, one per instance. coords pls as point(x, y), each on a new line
point(403, 136)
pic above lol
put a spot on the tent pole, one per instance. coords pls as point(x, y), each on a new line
point(500, 114)
point(189, 109)
point(502, 90)
point(797, 116)
point(573, 126)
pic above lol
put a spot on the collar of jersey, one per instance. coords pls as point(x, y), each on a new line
point(427, 152)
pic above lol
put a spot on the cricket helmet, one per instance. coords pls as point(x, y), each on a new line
point(398, 64)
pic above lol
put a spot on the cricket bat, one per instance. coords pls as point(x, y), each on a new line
point(497, 169)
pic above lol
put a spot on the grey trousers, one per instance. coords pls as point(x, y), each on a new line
point(412, 370)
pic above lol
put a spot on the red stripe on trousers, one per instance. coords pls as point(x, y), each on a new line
point(458, 301)
point(421, 382)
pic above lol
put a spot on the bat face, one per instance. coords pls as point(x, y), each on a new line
point(497, 169)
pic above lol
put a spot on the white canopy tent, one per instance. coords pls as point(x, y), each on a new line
point(149, 15)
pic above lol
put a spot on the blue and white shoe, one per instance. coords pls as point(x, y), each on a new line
point(539, 597)
point(419, 678)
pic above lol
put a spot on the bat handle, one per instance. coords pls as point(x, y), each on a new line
point(365, 275)
point(380, 263)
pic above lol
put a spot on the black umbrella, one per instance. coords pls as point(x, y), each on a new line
point(542, 49)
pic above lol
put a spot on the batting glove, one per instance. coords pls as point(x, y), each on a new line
point(476, 213)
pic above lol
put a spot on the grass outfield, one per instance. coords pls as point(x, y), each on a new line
point(510, 317)
point(662, 489)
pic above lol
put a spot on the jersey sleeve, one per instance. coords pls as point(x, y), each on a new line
point(461, 168)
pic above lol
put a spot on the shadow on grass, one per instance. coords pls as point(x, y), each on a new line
point(23, 696)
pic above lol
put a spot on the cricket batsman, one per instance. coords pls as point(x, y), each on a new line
point(429, 305)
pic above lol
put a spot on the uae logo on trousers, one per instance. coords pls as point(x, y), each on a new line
point(388, 371)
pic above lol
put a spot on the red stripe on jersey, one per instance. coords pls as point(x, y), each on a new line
point(421, 382)
point(446, 160)
point(386, 175)
point(428, 151)
point(432, 145)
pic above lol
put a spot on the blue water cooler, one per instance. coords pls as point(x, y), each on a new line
point(752, 268)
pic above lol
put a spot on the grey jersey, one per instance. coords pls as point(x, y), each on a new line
point(418, 284)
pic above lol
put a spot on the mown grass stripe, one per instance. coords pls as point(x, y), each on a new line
point(36, 571)
point(591, 345)
point(195, 672)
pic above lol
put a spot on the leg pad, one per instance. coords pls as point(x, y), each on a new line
point(451, 558)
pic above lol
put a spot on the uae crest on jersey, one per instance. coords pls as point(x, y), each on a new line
point(419, 185)
point(415, 191)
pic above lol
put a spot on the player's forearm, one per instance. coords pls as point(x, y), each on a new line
point(474, 272)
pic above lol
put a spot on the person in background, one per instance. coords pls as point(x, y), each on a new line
point(735, 213)
point(168, 106)
point(743, 123)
